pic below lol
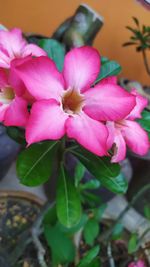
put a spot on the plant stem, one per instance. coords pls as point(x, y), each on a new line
point(146, 62)
point(35, 230)
point(110, 257)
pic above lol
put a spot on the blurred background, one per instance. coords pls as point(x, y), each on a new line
point(44, 16)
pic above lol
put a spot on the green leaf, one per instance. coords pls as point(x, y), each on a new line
point(90, 198)
point(68, 203)
point(62, 248)
point(92, 184)
point(102, 169)
point(17, 134)
point(34, 164)
point(110, 68)
point(145, 120)
point(95, 263)
point(132, 244)
point(117, 231)
point(147, 211)
point(98, 212)
point(77, 227)
point(136, 21)
point(79, 173)
point(129, 43)
point(50, 217)
point(54, 50)
point(89, 257)
point(104, 60)
point(91, 231)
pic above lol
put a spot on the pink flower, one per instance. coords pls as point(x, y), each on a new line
point(139, 263)
point(13, 45)
point(13, 108)
point(128, 132)
point(66, 103)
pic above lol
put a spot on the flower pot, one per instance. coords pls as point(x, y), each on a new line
point(18, 211)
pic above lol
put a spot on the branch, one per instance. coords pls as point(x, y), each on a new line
point(146, 62)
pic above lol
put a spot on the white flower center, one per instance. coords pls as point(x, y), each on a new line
point(72, 101)
point(6, 95)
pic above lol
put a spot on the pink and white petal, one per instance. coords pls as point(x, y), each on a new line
point(41, 77)
point(89, 133)
point(3, 108)
point(120, 147)
point(81, 67)
point(110, 79)
point(4, 58)
point(135, 137)
point(14, 79)
point(17, 113)
point(112, 131)
point(46, 122)
point(12, 41)
point(3, 78)
point(108, 102)
point(34, 50)
point(141, 103)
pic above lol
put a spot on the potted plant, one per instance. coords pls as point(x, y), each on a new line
point(58, 102)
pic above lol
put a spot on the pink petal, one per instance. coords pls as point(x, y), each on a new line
point(135, 137)
point(34, 50)
point(139, 263)
point(46, 122)
point(89, 133)
point(14, 79)
point(141, 103)
point(112, 132)
point(120, 147)
point(41, 78)
point(3, 108)
point(4, 58)
point(81, 67)
point(12, 41)
point(108, 102)
point(3, 78)
point(110, 79)
point(17, 113)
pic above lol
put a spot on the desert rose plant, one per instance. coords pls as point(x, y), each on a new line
point(56, 104)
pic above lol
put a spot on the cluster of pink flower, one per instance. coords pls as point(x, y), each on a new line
point(139, 263)
point(97, 116)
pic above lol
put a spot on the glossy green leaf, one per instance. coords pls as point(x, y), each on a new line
point(95, 263)
point(104, 60)
point(79, 173)
point(106, 172)
point(109, 68)
point(133, 243)
point(91, 231)
point(145, 120)
point(54, 50)
point(98, 212)
point(68, 202)
point(35, 163)
point(91, 184)
point(117, 231)
point(89, 257)
point(62, 248)
point(77, 227)
point(147, 211)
